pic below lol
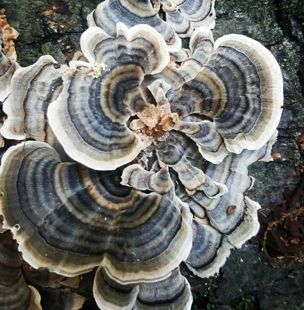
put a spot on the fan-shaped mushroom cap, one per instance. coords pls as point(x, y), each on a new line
point(185, 15)
point(32, 89)
point(69, 219)
point(132, 13)
point(90, 116)
point(7, 69)
point(14, 293)
point(171, 293)
point(240, 88)
point(230, 219)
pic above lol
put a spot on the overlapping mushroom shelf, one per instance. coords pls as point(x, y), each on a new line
point(137, 163)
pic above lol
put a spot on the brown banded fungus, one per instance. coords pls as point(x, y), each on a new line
point(15, 294)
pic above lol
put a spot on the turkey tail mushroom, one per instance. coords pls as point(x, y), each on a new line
point(132, 13)
point(90, 116)
point(171, 293)
point(230, 219)
point(15, 294)
point(70, 219)
point(240, 88)
point(32, 90)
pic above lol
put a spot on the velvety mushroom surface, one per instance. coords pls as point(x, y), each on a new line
point(69, 219)
point(171, 293)
point(14, 292)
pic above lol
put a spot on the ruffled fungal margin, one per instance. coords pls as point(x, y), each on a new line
point(186, 15)
point(69, 219)
point(228, 221)
point(14, 292)
point(171, 293)
point(132, 13)
point(32, 90)
point(240, 88)
point(90, 116)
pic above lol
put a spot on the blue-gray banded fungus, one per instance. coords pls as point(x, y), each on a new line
point(140, 151)
point(71, 219)
point(132, 13)
point(90, 116)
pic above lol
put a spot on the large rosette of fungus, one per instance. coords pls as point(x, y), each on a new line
point(160, 149)
point(186, 15)
point(132, 13)
point(15, 294)
point(171, 293)
point(68, 218)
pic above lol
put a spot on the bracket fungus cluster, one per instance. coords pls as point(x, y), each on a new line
point(134, 158)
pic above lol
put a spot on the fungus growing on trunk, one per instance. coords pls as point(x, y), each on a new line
point(150, 161)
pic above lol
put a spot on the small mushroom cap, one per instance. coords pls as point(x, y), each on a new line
point(32, 89)
point(69, 219)
point(240, 88)
point(14, 292)
point(131, 13)
point(90, 116)
point(173, 292)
